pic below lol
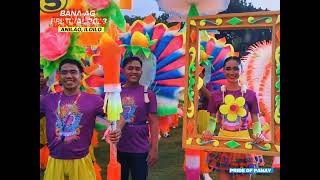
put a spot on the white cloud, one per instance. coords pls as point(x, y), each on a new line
point(273, 5)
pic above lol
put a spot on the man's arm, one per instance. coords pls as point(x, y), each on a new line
point(121, 123)
point(154, 131)
point(113, 136)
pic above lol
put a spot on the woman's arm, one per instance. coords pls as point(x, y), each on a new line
point(256, 124)
point(256, 129)
point(211, 127)
point(205, 92)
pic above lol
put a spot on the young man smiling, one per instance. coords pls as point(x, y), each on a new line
point(71, 118)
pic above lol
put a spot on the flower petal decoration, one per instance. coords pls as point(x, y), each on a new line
point(232, 117)
point(233, 107)
point(242, 112)
point(139, 39)
point(98, 4)
point(229, 99)
point(224, 109)
point(73, 51)
point(240, 101)
point(139, 44)
point(54, 44)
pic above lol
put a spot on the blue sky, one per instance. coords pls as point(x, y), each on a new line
point(146, 7)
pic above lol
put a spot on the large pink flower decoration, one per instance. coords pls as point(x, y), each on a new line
point(98, 4)
point(54, 44)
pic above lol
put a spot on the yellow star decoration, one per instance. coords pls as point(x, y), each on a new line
point(233, 107)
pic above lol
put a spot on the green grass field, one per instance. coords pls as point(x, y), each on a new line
point(171, 155)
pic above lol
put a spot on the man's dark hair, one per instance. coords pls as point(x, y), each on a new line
point(71, 61)
point(41, 70)
point(130, 59)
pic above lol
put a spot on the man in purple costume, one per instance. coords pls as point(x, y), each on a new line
point(71, 118)
point(135, 152)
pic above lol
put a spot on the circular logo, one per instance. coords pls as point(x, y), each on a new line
point(52, 6)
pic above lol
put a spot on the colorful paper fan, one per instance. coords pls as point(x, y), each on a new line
point(218, 50)
point(166, 60)
point(257, 66)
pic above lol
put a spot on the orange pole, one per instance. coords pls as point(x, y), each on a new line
point(125, 4)
point(114, 167)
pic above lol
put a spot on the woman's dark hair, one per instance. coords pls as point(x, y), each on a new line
point(71, 61)
point(235, 58)
point(130, 59)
